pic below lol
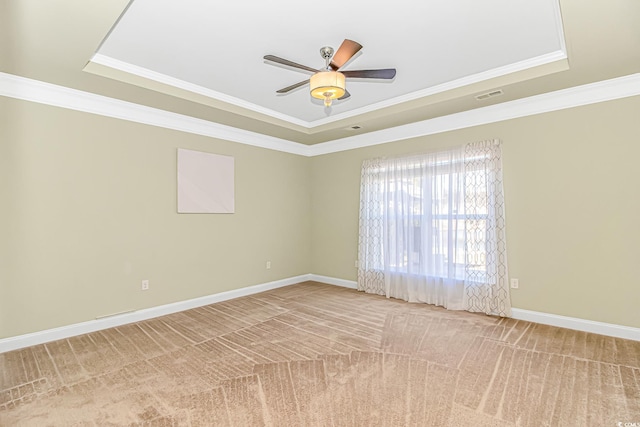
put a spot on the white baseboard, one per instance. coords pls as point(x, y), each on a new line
point(41, 337)
point(610, 329)
point(574, 323)
point(333, 281)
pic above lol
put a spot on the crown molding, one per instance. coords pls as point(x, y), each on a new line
point(46, 93)
point(59, 96)
point(510, 69)
point(145, 73)
point(451, 85)
point(606, 90)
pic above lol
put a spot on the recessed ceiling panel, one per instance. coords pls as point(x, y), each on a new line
point(219, 46)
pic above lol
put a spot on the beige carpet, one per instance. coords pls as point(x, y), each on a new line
point(319, 355)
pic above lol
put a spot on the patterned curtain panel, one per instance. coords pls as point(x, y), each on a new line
point(432, 229)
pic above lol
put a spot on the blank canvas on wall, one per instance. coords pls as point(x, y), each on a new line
point(205, 182)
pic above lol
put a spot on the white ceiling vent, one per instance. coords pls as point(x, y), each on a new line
point(489, 95)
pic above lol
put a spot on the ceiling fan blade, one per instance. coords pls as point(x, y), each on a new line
point(283, 61)
point(386, 73)
point(347, 49)
point(292, 87)
point(345, 96)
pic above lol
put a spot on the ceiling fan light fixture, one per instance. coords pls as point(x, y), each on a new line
point(327, 85)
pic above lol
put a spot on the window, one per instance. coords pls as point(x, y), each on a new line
point(432, 218)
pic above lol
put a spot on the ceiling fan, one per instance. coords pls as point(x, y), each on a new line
point(329, 83)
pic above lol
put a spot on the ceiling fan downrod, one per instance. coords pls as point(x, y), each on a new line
point(327, 53)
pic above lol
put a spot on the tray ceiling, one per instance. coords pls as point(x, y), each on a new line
point(212, 52)
point(203, 60)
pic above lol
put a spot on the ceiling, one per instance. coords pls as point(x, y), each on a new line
point(205, 59)
point(217, 47)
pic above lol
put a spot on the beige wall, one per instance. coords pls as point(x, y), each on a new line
point(572, 205)
point(89, 210)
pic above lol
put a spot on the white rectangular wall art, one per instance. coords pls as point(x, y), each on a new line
point(205, 182)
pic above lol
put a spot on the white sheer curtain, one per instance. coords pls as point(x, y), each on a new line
point(432, 229)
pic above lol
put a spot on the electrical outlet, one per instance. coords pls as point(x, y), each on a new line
point(145, 285)
point(515, 283)
point(268, 265)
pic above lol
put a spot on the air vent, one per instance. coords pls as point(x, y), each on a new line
point(489, 95)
